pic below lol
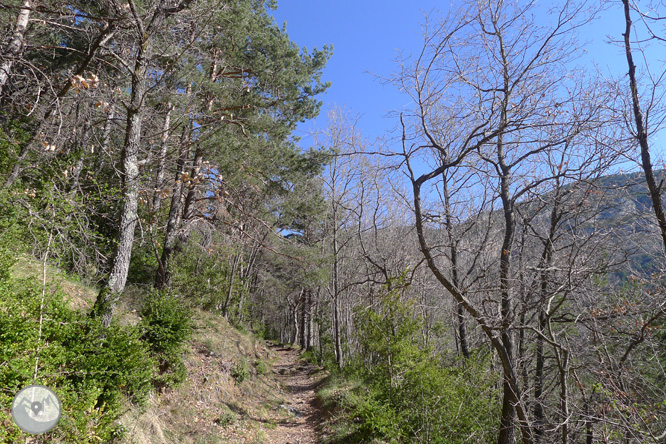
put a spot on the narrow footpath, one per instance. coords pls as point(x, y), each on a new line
point(299, 380)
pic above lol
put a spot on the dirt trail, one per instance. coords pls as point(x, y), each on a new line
point(299, 380)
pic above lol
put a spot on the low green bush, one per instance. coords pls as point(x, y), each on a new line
point(91, 369)
point(261, 366)
point(166, 324)
point(240, 371)
point(404, 392)
point(226, 419)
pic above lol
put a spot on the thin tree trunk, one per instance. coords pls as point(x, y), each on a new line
point(336, 299)
point(106, 134)
point(294, 318)
point(462, 331)
point(295, 309)
point(538, 382)
point(163, 275)
point(304, 309)
point(507, 424)
point(159, 177)
point(545, 264)
point(16, 44)
point(563, 364)
point(78, 166)
point(308, 321)
point(190, 199)
point(230, 289)
point(641, 130)
point(313, 303)
point(110, 293)
point(589, 432)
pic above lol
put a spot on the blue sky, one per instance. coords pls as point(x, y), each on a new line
point(366, 36)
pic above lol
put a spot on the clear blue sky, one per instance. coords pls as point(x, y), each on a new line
point(366, 36)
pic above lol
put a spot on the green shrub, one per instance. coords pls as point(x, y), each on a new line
point(409, 394)
point(166, 324)
point(10, 241)
point(91, 369)
point(205, 276)
point(240, 371)
point(261, 367)
point(310, 356)
point(226, 419)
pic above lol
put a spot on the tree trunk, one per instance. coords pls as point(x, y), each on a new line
point(641, 130)
point(106, 134)
point(296, 319)
point(16, 44)
point(563, 365)
point(336, 282)
point(107, 298)
point(230, 289)
point(304, 309)
point(545, 264)
point(313, 303)
point(82, 143)
point(110, 293)
point(538, 382)
point(190, 199)
point(589, 432)
point(159, 177)
point(462, 331)
point(507, 424)
point(163, 275)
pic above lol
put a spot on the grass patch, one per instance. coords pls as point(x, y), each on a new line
point(340, 398)
point(79, 294)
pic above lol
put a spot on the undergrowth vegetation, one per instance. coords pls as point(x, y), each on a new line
point(400, 391)
point(92, 369)
point(95, 371)
point(166, 325)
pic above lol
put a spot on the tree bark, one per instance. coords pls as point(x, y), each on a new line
point(16, 44)
point(163, 275)
point(190, 199)
point(303, 321)
point(453, 249)
point(538, 382)
point(507, 423)
point(336, 298)
point(230, 289)
point(641, 130)
point(110, 293)
point(313, 304)
point(545, 264)
point(159, 177)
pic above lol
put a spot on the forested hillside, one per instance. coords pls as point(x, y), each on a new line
point(486, 274)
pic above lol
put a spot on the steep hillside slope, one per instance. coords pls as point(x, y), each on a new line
point(239, 389)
